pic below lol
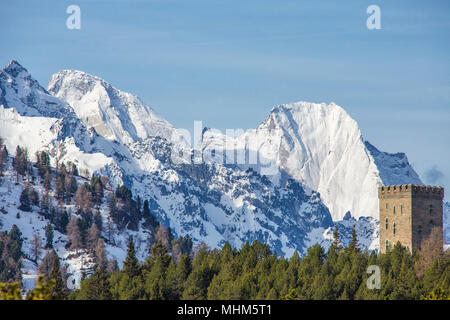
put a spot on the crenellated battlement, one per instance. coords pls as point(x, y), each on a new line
point(412, 188)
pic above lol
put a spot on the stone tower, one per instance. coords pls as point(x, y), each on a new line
point(408, 214)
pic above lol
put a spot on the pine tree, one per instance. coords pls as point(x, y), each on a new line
point(112, 206)
point(131, 264)
point(59, 290)
point(336, 239)
point(98, 191)
point(199, 279)
point(354, 243)
point(15, 242)
point(123, 193)
point(60, 187)
point(98, 220)
point(43, 163)
point(184, 267)
point(62, 221)
point(49, 236)
point(20, 162)
point(96, 287)
point(25, 203)
point(71, 187)
point(160, 252)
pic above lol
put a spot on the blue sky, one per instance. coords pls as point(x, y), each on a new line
point(228, 63)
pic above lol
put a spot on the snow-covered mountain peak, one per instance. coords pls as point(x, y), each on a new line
point(303, 110)
point(321, 146)
point(18, 90)
point(301, 120)
point(13, 67)
point(114, 114)
point(394, 168)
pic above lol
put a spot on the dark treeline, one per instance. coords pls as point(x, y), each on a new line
point(255, 272)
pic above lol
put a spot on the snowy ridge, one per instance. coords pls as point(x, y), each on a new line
point(114, 114)
point(394, 169)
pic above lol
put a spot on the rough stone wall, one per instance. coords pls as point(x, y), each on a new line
point(396, 206)
point(413, 211)
point(427, 214)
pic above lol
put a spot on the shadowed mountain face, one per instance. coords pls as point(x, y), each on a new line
point(324, 169)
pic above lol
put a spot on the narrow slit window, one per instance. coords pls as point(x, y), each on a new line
point(393, 229)
point(387, 223)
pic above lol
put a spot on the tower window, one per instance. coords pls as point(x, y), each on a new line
point(394, 210)
point(387, 245)
point(393, 229)
point(419, 229)
point(401, 209)
point(431, 209)
point(387, 223)
point(431, 224)
point(387, 205)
